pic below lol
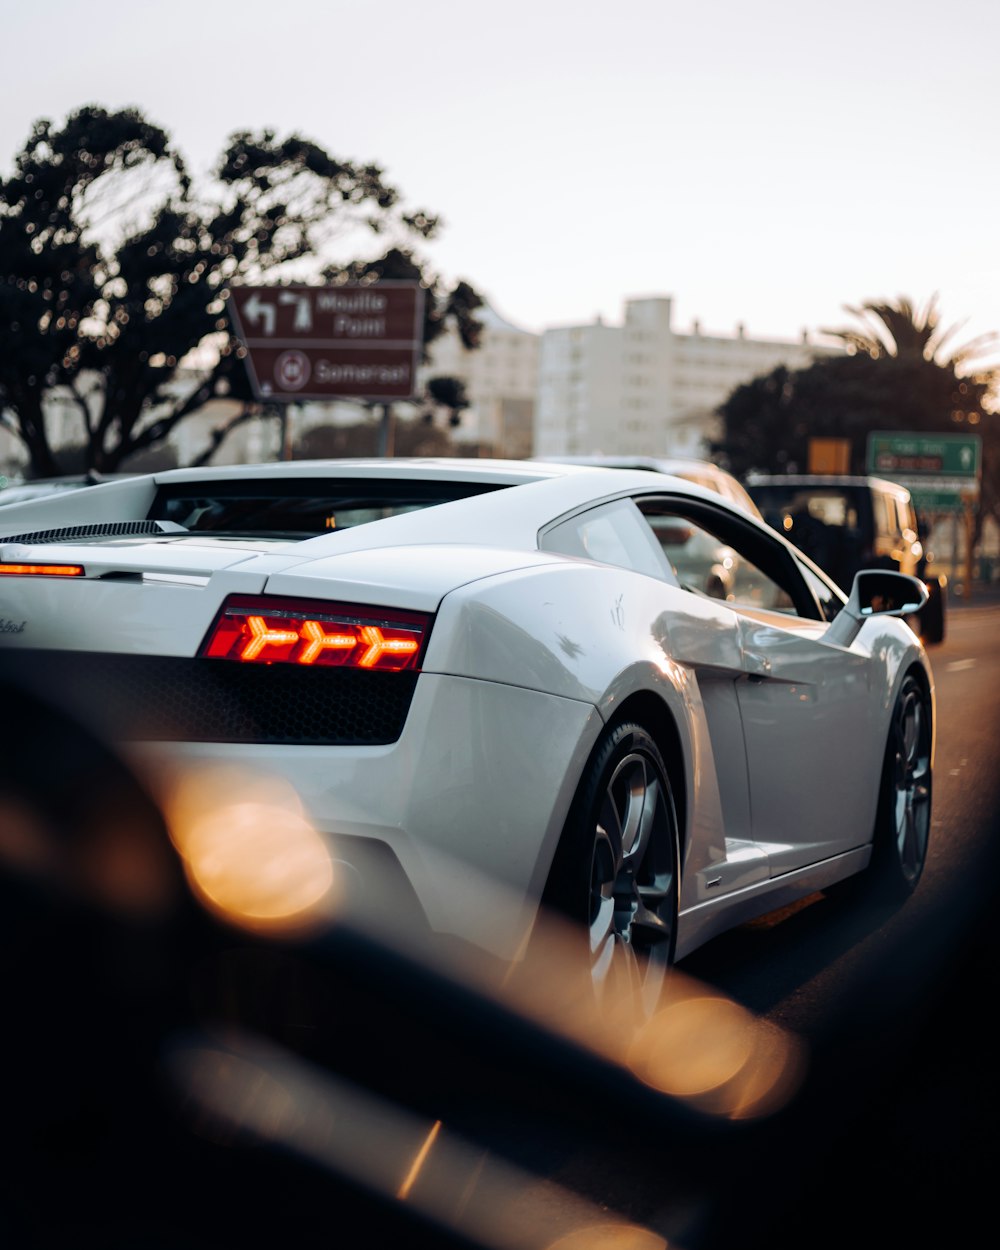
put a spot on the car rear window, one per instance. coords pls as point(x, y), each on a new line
point(300, 508)
point(842, 507)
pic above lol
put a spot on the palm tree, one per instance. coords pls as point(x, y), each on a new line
point(915, 338)
point(902, 330)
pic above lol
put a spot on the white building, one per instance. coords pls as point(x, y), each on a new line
point(501, 380)
point(642, 388)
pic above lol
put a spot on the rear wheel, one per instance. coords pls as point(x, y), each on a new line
point(903, 823)
point(615, 870)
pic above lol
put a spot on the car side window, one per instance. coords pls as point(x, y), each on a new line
point(720, 555)
point(613, 533)
point(885, 515)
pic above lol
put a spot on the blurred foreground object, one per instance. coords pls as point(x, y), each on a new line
point(153, 999)
point(183, 1068)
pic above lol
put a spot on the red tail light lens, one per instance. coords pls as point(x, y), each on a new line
point(259, 630)
point(42, 570)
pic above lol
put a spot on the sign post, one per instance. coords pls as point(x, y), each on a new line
point(941, 471)
point(353, 341)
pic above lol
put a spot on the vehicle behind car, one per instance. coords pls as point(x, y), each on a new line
point(845, 524)
point(700, 561)
point(41, 488)
point(701, 472)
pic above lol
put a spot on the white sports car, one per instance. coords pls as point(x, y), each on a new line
point(493, 681)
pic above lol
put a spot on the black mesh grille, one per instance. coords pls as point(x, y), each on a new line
point(166, 699)
point(100, 529)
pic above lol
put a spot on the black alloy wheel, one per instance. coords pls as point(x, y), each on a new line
point(615, 873)
point(903, 824)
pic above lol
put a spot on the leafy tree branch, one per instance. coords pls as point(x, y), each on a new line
point(114, 266)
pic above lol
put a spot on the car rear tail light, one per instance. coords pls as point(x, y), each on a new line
point(261, 630)
point(41, 570)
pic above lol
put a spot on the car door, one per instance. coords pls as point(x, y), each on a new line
point(722, 856)
point(803, 703)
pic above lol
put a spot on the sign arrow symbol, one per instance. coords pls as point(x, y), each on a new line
point(966, 455)
point(255, 309)
point(303, 309)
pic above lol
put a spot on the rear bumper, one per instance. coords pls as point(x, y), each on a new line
point(470, 801)
point(163, 698)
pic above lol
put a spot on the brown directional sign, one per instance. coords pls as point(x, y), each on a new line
point(330, 342)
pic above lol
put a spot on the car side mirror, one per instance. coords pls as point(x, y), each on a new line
point(875, 592)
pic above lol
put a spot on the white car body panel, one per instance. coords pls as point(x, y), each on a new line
point(415, 577)
point(778, 734)
point(420, 800)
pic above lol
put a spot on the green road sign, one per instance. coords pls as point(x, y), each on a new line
point(936, 499)
point(936, 455)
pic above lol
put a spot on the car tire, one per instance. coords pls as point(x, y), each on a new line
point(903, 819)
point(615, 871)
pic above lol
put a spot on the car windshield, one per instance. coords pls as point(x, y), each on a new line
point(299, 508)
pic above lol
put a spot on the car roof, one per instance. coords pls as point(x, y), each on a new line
point(498, 472)
point(701, 472)
point(655, 464)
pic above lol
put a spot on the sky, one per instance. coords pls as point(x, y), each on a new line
point(764, 163)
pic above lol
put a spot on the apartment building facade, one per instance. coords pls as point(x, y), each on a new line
point(642, 388)
point(501, 381)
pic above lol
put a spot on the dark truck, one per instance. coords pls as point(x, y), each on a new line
point(849, 523)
